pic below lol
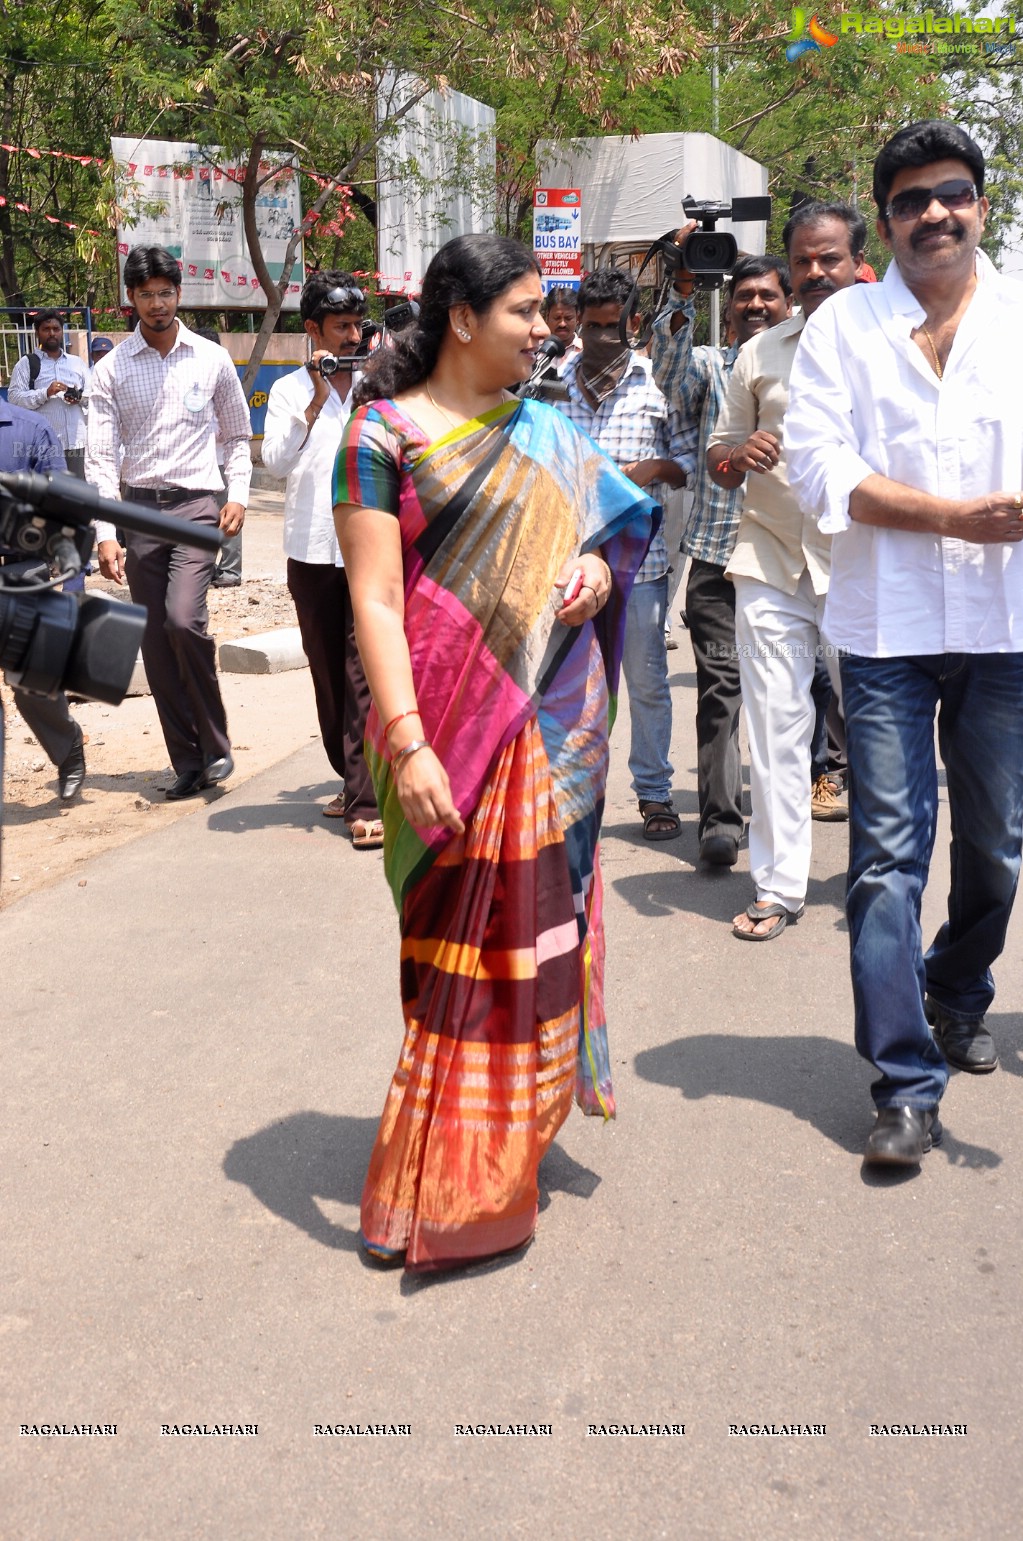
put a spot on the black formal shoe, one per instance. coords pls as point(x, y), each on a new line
point(71, 770)
point(218, 768)
point(902, 1136)
point(966, 1044)
point(225, 581)
point(188, 784)
point(719, 850)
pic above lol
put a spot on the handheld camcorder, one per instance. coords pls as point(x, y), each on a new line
point(396, 318)
point(48, 642)
point(708, 253)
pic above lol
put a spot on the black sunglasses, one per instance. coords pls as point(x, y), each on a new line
point(342, 299)
point(957, 194)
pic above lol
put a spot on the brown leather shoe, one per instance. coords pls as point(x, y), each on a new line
point(902, 1136)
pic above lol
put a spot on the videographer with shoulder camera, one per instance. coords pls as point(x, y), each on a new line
point(305, 417)
point(50, 381)
point(28, 444)
point(695, 380)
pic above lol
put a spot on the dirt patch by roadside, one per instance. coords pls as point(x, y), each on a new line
point(269, 716)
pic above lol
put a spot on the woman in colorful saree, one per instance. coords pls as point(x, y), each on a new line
point(490, 550)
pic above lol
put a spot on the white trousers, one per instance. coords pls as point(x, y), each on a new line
point(777, 636)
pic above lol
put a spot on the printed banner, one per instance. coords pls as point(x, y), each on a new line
point(183, 197)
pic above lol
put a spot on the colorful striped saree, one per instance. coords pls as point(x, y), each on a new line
point(502, 938)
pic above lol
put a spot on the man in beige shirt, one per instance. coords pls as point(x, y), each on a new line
point(780, 568)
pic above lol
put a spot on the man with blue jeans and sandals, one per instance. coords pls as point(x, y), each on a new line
point(903, 436)
point(613, 398)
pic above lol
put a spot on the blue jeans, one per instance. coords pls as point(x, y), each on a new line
point(893, 810)
point(645, 667)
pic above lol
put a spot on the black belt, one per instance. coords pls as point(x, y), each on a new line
point(165, 497)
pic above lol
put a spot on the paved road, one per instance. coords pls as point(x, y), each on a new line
point(201, 1028)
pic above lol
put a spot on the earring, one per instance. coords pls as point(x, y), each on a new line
point(465, 336)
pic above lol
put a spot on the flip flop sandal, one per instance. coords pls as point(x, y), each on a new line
point(652, 813)
point(367, 834)
point(335, 809)
point(756, 912)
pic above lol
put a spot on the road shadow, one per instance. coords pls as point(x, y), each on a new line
point(298, 1163)
point(715, 893)
point(817, 1080)
point(297, 808)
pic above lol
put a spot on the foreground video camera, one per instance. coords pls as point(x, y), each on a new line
point(48, 642)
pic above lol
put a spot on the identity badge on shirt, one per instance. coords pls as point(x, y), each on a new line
point(196, 398)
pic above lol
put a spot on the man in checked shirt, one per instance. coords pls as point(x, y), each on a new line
point(152, 406)
point(695, 381)
point(612, 397)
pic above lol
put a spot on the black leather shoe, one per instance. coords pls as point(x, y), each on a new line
point(902, 1136)
point(71, 770)
point(965, 1044)
point(188, 784)
point(719, 850)
point(225, 581)
point(218, 769)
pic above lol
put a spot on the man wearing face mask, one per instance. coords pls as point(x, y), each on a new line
point(780, 567)
point(694, 379)
point(612, 397)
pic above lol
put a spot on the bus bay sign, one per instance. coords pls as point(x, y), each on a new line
point(557, 236)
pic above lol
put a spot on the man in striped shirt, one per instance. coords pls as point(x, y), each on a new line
point(153, 404)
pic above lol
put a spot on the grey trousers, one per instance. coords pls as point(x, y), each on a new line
point(50, 721)
point(179, 654)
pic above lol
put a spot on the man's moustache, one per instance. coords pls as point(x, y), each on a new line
point(946, 229)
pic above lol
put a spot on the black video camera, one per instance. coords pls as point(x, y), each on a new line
point(47, 640)
point(73, 395)
point(708, 253)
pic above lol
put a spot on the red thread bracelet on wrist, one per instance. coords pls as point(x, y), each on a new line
point(724, 466)
point(413, 711)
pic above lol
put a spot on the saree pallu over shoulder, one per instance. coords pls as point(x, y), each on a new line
point(488, 516)
point(502, 941)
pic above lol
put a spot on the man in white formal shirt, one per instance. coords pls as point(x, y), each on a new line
point(305, 415)
point(154, 407)
point(903, 436)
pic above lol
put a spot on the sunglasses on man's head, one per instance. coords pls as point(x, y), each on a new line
point(957, 194)
point(343, 298)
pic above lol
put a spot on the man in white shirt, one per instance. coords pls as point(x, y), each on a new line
point(903, 436)
point(50, 381)
point(305, 415)
point(779, 568)
point(153, 406)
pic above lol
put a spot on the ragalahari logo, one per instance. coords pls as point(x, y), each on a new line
point(801, 43)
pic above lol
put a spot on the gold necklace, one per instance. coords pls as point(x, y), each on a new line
point(443, 410)
point(934, 351)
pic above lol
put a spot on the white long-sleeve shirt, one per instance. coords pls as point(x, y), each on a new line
point(863, 399)
point(66, 419)
point(306, 457)
point(152, 420)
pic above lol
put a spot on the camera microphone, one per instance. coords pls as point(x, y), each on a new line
point(65, 501)
point(551, 348)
